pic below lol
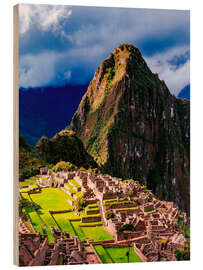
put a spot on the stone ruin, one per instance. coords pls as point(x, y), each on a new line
point(35, 250)
point(155, 233)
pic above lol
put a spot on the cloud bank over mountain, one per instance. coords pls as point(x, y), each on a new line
point(65, 44)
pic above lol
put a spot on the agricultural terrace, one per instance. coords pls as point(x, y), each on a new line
point(55, 199)
point(117, 255)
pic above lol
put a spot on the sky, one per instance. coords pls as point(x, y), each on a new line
point(65, 44)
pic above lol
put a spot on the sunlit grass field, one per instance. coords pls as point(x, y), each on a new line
point(117, 255)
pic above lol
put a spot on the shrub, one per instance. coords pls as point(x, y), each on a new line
point(80, 204)
point(109, 214)
point(127, 227)
point(183, 255)
point(64, 166)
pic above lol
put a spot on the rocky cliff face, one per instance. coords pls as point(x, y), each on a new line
point(133, 127)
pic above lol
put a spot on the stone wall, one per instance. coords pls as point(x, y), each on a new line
point(40, 254)
point(129, 235)
point(91, 219)
point(54, 257)
point(139, 253)
point(92, 212)
point(91, 225)
point(60, 212)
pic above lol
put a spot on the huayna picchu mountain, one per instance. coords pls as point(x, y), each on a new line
point(135, 128)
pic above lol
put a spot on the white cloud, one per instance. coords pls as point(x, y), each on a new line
point(50, 67)
point(44, 68)
point(92, 33)
point(113, 26)
point(44, 17)
point(37, 70)
point(175, 78)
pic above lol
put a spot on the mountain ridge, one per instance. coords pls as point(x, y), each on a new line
point(134, 127)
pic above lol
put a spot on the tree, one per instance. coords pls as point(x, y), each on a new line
point(128, 253)
point(80, 204)
point(127, 227)
point(109, 214)
point(43, 147)
point(64, 166)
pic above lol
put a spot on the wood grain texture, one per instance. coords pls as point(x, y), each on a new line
point(15, 132)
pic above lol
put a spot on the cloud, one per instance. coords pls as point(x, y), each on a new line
point(80, 38)
point(43, 17)
point(116, 25)
point(79, 64)
point(176, 74)
point(37, 71)
point(52, 68)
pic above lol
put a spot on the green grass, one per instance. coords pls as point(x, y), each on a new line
point(90, 233)
point(185, 228)
point(118, 255)
point(47, 218)
point(78, 230)
point(60, 260)
point(56, 200)
point(94, 205)
point(75, 183)
point(49, 199)
point(32, 180)
point(83, 214)
point(64, 224)
point(27, 223)
point(25, 196)
point(78, 194)
point(96, 233)
point(92, 209)
point(105, 258)
point(23, 184)
point(70, 188)
point(28, 188)
point(150, 211)
point(35, 219)
point(50, 235)
point(41, 219)
point(52, 199)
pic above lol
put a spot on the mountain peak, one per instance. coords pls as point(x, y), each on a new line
point(134, 128)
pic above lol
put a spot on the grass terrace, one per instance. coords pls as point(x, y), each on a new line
point(70, 188)
point(26, 189)
point(97, 233)
point(56, 200)
point(116, 255)
point(103, 255)
point(63, 221)
point(52, 199)
point(49, 199)
point(75, 183)
point(79, 194)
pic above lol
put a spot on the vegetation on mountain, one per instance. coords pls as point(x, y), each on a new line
point(135, 128)
point(64, 166)
point(64, 146)
point(65, 150)
point(29, 163)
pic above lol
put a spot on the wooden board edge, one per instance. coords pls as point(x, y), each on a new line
point(15, 133)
